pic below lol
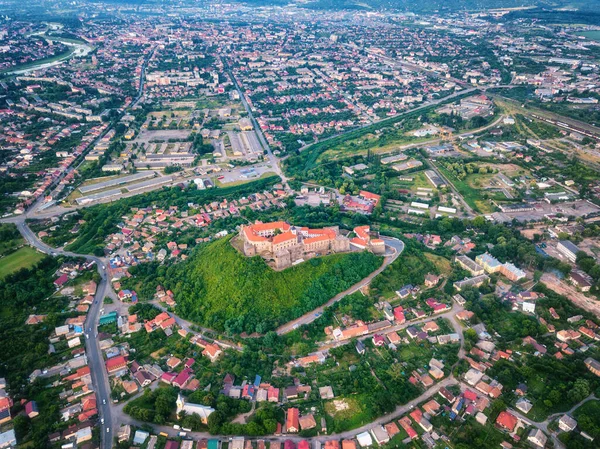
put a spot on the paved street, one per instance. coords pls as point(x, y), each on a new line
point(95, 359)
point(394, 248)
point(261, 138)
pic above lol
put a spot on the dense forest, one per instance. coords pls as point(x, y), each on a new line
point(224, 290)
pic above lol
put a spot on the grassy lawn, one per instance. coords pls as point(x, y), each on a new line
point(413, 352)
point(347, 412)
point(219, 287)
point(469, 193)
point(22, 258)
point(593, 34)
point(419, 181)
point(442, 264)
point(213, 103)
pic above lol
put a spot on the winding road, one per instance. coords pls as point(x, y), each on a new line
point(394, 248)
point(543, 425)
point(112, 414)
point(93, 352)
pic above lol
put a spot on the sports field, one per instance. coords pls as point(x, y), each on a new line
point(22, 258)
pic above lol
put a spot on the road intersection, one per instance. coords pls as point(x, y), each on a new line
point(111, 414)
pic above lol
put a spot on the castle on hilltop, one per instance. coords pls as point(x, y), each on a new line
point(286, 244)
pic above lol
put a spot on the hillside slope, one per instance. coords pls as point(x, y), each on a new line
point(222, 289)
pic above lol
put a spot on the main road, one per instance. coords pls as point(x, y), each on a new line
point(399, 411)
point(94, 355)
point(81, 159)
point(396, 117)
point(113, 415)
point(274, 160)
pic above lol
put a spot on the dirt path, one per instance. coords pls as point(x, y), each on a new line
point(577, 298)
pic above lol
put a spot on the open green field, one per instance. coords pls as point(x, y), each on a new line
point(473, 185)
point(347, 412)
point(441, 263)
point(361, 139)
point(419, 180)
point(471, 195)
point(223, 289)
point(379, 144)
point(592, 34)
point(22, 258)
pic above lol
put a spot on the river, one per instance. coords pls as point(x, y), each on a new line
point(76, 50)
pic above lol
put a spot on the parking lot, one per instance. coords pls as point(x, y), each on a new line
point(241, 174)
point(577, 208)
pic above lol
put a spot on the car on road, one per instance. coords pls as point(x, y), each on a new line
point(102, 420)
point(104, 401)
point(108, 430)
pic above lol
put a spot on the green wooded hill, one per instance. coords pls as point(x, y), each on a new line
point(224, 290)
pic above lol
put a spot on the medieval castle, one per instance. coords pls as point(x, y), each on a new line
point(286, 244)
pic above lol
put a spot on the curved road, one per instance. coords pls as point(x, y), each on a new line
point(112, 415)
point(400, 410)
point(95, 360)
point(395, 248)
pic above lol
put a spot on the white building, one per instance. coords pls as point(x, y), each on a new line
point(364, 439)
point(203, 411)
point(568, 249)
point(537, 437)
point(566, 423)
point(8, 439)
